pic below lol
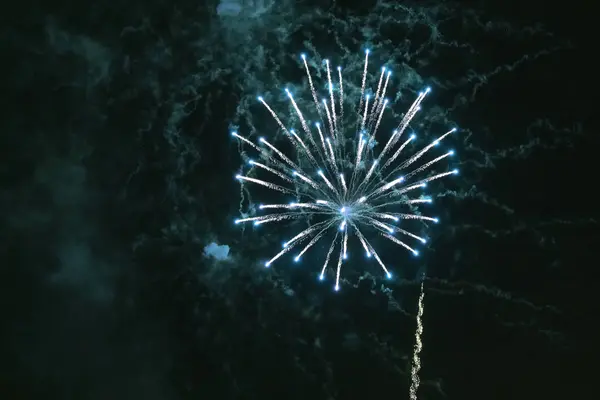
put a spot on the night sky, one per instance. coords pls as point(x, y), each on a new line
point(117, 185)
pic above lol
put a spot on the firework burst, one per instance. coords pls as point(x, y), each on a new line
point(338, 181)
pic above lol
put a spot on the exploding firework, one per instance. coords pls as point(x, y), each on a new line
point(338, 181)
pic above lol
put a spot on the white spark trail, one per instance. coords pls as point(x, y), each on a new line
point(277, 218)
point(314, 240)
point(291, 206)
point(415, 381)
point(362, 125)
point(329, 255)
point(343, 184)
point(303, 234)
point(271, 170)
point(374, 254)
point(398, 192)
point(386, 216)
point(376, 99)
point(438, 176)
point(332, 100)
point(268, 218)
point(308, 153)
point(420, 153)
point(310, 82)
point(427, 165)
point(364, 79)
point(331, 129)
point(367, 177)
point(243, 139)
point(397, 153)
point(415, 216)
point(400, 242)
point(307, 180)
point(362, 240)
point(322, 175)
point(302, 120)
point(379, 119)
point(403, 124)
point(387, 79)
point(279, 153)
point(275, 117)
point(341, 94)
point(265, 184)
point(325, 156)
point(261, 151)
point(377, 224)
point(345, 241)
point(339, 267)
point(402, 201)
point(412, 235)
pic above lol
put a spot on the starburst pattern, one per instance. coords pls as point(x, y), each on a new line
point(338, 181)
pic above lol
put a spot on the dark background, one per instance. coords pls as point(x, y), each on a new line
point(117, 171)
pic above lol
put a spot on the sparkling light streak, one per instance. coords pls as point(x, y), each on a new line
point(349, 192)
point(416, 365)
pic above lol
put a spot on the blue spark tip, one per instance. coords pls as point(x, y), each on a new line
point(455, 171)
point(389, 276)
point(337, 288)
point(259, 98)
point(415, 253)
point(267, 264)
point(367, 51)
point(339, 68)
point(233, 133)
point(451, 152)
point(413, 136)
point(303, 56)
point(297, 258)
point(427, 89)
point(321, 277)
